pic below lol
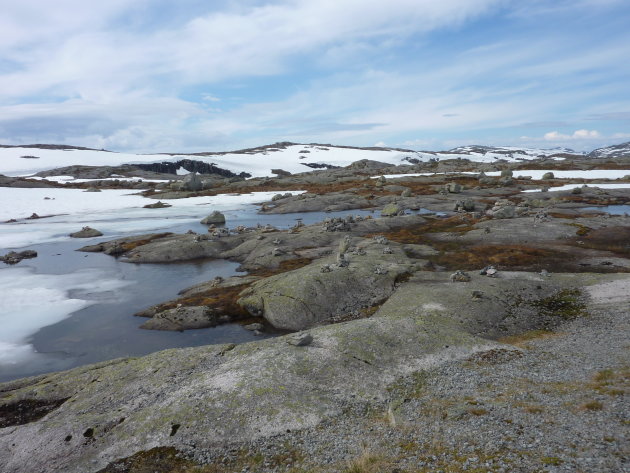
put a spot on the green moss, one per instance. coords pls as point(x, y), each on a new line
point(566, 304)
point(553, 461)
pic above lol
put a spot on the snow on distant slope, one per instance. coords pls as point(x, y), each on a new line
point(259, 162)
point(292, 158)
point(487, 154)
point(616, 151)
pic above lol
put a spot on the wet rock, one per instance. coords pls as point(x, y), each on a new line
point(86, 232)
point(215, 217)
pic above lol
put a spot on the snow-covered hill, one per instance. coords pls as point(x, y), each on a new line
point(616, 151)
point(488, 154)
point(258, 162)
point(295, 158)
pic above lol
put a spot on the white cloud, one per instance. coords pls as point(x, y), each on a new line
point(577, 135)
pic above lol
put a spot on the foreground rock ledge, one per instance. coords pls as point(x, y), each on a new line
point(208, 396)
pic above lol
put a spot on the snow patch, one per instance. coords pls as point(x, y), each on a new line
point(24, 295)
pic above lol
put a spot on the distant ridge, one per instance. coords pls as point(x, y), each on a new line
point(613, 151)
point(48, 146)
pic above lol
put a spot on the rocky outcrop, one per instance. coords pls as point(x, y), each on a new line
point(308, 296)
point(183, 318)
point(14, 257)
point(195, 399)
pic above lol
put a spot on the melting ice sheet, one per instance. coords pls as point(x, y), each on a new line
point(113, 212)
point(31, 301)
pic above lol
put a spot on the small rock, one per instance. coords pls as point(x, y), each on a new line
point(158, 205)
point(86, 232)
point(254, 327)
point(460, 276)
point(300, 339)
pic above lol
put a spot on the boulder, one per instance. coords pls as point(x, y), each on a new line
point(305, 297)
point(391, 210)
point(86, 232)
point(548, 175)
point(215, 217)
point(182, 318)
point(453, 188)
point(467, 205)
point(192, 182)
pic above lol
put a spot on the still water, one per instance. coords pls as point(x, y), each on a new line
point(109, 292)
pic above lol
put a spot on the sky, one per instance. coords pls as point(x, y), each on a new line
point(198, 75)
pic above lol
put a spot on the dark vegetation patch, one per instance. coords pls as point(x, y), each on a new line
point(130, 245)
point(613, 239)
point(593, 199)
point(567, 304)
point(419, 234)
point(283, 267)
point(221, 300)
point(189, 165)
point(494, 356)
point(170, 460)
point(514, 257)
point(26, 411)
point(156, 460)
point(582, 230)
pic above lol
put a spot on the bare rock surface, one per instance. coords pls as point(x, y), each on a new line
point(200, 399)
